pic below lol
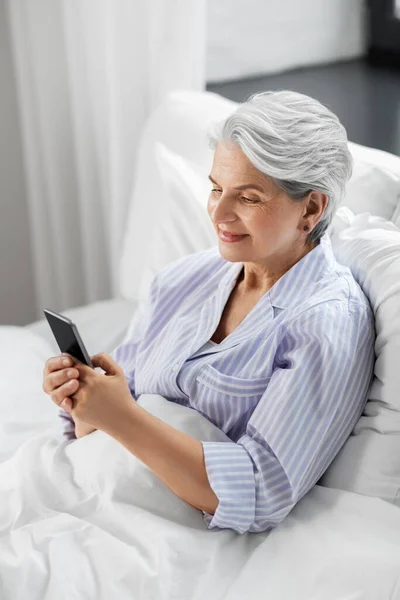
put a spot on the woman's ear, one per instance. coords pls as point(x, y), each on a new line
point(315, 204)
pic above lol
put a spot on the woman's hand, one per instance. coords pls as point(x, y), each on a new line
point(56, 376)
point(100, 400)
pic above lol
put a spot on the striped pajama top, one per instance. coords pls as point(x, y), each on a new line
point(287, 386)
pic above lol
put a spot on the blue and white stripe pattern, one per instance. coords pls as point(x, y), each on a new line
point(287, 386)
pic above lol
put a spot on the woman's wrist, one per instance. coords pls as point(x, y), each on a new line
point(82, 428)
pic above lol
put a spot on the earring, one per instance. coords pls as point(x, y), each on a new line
point(305, 227)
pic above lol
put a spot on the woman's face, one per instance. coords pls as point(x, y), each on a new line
point(245, 201)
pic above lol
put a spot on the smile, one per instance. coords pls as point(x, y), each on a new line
point(225, 237)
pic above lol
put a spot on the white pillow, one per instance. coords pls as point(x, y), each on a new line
point(396, 215)
point(184, 226)
point(369, 461)
point(372, 189)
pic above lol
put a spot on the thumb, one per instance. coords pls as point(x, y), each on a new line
point(105, 362)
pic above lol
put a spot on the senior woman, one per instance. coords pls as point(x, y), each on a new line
point(265, 334)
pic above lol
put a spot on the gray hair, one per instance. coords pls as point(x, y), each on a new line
point(295, 140)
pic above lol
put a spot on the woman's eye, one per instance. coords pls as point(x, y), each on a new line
point(252, 201)
point(249, 200)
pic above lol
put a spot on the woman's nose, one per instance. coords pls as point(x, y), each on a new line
point(222, 208)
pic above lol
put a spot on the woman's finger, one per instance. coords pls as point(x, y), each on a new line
point(107, 363)
point(55, 379)
point(64, 391)
point(59, 378)
point(57, 362)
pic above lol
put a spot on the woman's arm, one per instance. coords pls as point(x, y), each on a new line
point(316, 394)
point(313, 400)
point(175, 457)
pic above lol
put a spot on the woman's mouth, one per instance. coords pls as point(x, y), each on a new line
point(225, 237)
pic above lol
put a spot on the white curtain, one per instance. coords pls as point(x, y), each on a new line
point(88, 74)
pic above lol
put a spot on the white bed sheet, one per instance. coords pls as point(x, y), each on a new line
point(88, 520)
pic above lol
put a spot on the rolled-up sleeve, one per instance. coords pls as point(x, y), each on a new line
point(231, 474)
point(318, 389)
point(124, 354)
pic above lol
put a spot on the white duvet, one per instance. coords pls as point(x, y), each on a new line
point(87, 520)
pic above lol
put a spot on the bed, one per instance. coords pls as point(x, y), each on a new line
point(86, 519)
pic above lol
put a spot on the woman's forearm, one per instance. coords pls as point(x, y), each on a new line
point(175, 457)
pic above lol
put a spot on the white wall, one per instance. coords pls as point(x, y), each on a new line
point(256, 37)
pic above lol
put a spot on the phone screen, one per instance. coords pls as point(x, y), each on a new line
point(67, 336)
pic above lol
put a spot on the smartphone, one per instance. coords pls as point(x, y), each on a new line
point(67, 336)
